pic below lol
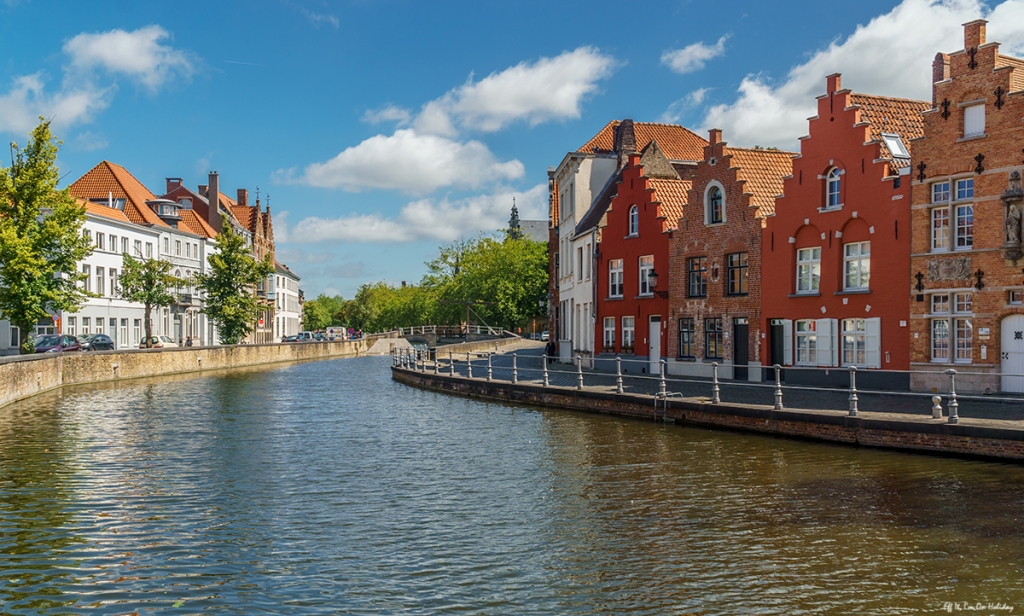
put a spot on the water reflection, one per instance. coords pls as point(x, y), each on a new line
point(325, 488)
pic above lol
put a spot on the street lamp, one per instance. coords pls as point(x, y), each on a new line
point(652, 280)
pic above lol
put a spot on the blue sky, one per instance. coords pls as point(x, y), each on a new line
point(382, 129)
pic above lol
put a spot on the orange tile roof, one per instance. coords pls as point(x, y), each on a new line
point(194, 223)
point(672, 196)
point(892, 115)
point(104, 211)
point(677, 142)
point(107, 179)
point(762, 172)
point(245, 215)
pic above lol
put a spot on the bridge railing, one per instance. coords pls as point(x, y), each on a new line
point(451, 331)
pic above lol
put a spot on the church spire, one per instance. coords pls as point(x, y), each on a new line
point(515, 231)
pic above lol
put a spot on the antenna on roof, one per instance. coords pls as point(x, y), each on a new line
point(257, 194)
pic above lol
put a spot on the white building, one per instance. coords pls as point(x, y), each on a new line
point(288, 310)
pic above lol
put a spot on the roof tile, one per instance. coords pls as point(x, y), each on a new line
point(109, 180)
point(677, 142)
point(892, 115)
point(762, 172)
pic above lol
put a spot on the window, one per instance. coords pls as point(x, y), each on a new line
point(87, 234)
point(579, 263)
point(713, 338)
point(634, 220)
point(167, 249)
point(940, 228)
point(188, 250)
point(113, 243)
point(857, 265)
point(177, 248)
point(100, 281)
point(609, 334)
point(589, 261)
point(1015, 297)
point(628, 325)
point(615, 278)
point(101, 241)
point(832, 188)
point(124, 245)
point(646, 267)
point(114, 291)
point(149, 250)
point(737, 265)
point(952, 327)
point(964, 227)
point(138, 248)
point(806, 343)
point(85, 325)
point(854, 340)
point(974, 120)
point(965, 189)
point(716, 211)
point(70, 329)
point(87, 282)
point(686, 338)
point(136, 331)
point(124, 333)
point(698, 268)
point(940, 192)
point(808, 269)
point(895, 145)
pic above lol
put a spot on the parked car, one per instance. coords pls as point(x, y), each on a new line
point(545, 336)
point(96, 342)
point(305, 336)
point(160, 342)
point(56, 343)
point(294, 338)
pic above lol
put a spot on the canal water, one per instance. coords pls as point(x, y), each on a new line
point(324, 488)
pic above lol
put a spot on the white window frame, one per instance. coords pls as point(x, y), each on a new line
point(856, 266)
point(714, 213)
point(808, 270)
point(87, 282)
point(964, 222)
point(101, 242)
point(834, 188)
point(615, 278)
point(100, 281)
point(634, 221)
point(646, 266)
point(628, 333)
point(952, 314)
point(974, 120)
point(85, 325)
point(854, 342)
point(138, 248)
point(806, 342)
point(70, 326)
point(609, 333)
point(940, 229)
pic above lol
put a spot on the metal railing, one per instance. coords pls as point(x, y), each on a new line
point(542, 370)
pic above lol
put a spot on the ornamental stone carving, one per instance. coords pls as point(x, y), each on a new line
point(1013, 208)
point(958, 268)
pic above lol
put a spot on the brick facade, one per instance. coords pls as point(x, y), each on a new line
point(715, 261)
point(966, 204)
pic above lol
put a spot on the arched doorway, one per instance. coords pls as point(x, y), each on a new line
point(1012, 353)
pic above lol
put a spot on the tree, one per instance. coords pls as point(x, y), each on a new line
point(229, 286)
point(150, 283)
point(41, 239)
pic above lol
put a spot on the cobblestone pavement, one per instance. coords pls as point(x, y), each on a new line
point(529, 369)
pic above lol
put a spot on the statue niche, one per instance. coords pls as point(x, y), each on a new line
point(1013, 208)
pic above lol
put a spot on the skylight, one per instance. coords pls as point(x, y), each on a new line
point(895, 145)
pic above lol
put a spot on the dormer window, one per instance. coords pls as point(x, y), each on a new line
point(634, 221)
point(895, 145)
point(166, 209)
point(185, 203)
point(716, 211)
point(832, 188)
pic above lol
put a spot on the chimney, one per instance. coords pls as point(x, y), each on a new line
point(940, 72)
point(204, 190)
point(974, 33)
point(214, 198)
point(243, 196)
point(625, 141)
point(714, 136)
point(173, 183)
point(833, 83)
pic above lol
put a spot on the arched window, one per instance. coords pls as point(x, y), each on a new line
point(832, 185)
point(716, 213)
point(634, 221)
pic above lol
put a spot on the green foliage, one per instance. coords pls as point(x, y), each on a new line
point(319, 313)
point(41, 240)
point(229, 286)
point(148, 282)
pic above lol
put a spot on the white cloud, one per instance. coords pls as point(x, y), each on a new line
point(410, 162)
point(675, 111)
point(137, 54)
point(549, 89)
point(425, 219)
point(318, 19)
point(891, 56)
point(21, 106)
point(692, 57)
point(90, 141)
point(388, 113)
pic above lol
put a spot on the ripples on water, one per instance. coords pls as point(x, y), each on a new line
point(327, 488)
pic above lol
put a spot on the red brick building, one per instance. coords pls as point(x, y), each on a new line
point(967, 309)
point(715, 260)
point(635, 217)
point(838, 245)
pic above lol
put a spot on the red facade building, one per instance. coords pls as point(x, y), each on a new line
point(836, 253)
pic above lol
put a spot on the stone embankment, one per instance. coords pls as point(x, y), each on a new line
point(981, 438)
point(28, 375)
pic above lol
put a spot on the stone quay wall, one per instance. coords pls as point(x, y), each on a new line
point(28, 375)
point(919, 434)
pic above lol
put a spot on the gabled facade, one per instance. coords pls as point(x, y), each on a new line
point(838, 244)
point(287, 307)
point(715, 261)
point(967, 305)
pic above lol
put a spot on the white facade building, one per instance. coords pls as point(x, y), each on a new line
point(288, 310)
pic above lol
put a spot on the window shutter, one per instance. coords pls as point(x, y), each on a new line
point(873, 342)
point(834, 325)
point(787, 341)
point(974, 120)
point(824, 341)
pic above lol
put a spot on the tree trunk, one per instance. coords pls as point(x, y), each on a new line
point(149, 326)
point(25, 348)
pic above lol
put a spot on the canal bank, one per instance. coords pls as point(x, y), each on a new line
point(971, 437)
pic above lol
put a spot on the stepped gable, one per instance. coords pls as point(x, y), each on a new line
point(677, 142)
point(656, 164)
point(762, 172)
point(671, 196)
point(110, 180)
point(885, 114)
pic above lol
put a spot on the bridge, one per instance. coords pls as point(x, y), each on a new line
point(438, 335)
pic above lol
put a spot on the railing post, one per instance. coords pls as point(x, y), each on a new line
point(579, 372)
point(618, 375)
point(544, 360)
point(715, 397)
point(435, 360)
point(936, 407)
point(515, 370)
point(954, 406)
point(489, 373)
point(662, 389)
point(778, 387)
point(853, 391)
point(451, 364)
point(469, 365)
